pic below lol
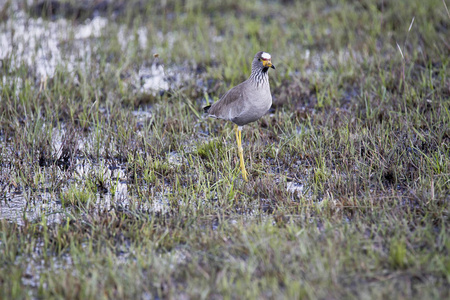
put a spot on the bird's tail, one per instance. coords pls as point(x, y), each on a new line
point(206, 108)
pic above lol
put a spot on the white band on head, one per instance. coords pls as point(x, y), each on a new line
point(265, 55)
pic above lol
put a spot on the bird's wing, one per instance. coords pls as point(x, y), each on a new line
point(230, 104)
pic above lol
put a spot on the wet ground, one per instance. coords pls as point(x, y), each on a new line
point(101, 132)
point(42, 45)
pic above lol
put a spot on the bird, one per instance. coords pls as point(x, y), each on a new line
point(246, 102)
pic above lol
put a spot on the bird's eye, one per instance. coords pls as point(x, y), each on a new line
point(259, 59)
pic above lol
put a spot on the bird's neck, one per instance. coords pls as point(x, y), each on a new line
point(260, 77)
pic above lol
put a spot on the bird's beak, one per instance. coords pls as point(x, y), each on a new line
point(268, 64)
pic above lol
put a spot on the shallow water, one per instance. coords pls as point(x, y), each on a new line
point(46, 46)
point(20, 208)
point(26, 206)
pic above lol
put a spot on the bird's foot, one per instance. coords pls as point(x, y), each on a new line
point(244, 172)
point(244, 175)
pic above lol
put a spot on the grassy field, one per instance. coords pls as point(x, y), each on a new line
point(113, 184)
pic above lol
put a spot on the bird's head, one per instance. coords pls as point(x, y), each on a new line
point(263, 60)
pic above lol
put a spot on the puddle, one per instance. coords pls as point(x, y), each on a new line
point(18, 209)
point(156, 78)
point(152, 79)
point(295, 187)
point(38, 43)
point(30, 207)
point(107, 179)
point(45, 46)
point(118, 196)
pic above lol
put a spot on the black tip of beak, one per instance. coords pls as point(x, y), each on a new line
point(273, 67)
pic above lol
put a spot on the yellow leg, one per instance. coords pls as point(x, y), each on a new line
point(241, 152)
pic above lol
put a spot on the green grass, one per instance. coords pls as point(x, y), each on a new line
point(363, 128)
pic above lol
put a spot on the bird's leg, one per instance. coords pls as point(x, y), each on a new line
point(241, 157)
point(240, 151)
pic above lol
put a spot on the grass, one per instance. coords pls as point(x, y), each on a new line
point(360, 121)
